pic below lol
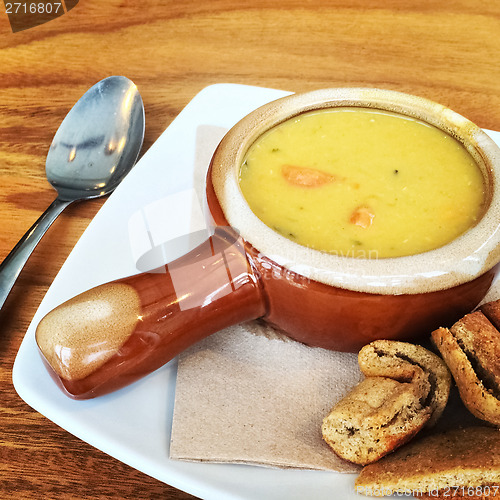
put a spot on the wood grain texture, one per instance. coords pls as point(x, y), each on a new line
point(446, 51)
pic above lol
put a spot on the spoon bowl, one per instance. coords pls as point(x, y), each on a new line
point(98, 141)
point(94, 148)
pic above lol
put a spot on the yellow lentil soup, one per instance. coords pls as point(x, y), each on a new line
point(360, 182)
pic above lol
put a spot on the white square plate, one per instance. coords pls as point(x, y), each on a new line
point(133, 424)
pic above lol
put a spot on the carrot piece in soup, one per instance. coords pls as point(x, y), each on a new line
point(305, 177)
point(362, 217)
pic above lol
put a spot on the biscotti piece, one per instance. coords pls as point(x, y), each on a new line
point(394, 402)
point(378, 415)
point(408, 362)
point(471, 349)
point(492, 311)
point(447, 462)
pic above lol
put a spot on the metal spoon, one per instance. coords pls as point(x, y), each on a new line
point(95, 147)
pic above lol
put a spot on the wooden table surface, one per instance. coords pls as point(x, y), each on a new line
point(446, 51)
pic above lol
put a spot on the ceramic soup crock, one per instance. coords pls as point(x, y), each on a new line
point(115, 333)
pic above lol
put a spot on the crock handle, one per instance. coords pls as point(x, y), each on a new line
point(111, 335)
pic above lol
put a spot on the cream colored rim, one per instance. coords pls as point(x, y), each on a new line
point(460, 261)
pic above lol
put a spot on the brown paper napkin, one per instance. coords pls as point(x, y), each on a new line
point(249, 395)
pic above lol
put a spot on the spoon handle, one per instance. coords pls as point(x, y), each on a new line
point(13, 264)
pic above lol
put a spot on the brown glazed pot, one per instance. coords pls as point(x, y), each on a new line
point(113, 334)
